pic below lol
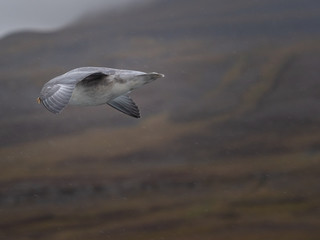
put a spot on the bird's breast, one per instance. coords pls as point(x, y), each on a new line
point(85, 95)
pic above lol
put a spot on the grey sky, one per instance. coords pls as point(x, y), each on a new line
point(18, 15)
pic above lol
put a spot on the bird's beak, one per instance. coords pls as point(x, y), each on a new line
point(38, 100)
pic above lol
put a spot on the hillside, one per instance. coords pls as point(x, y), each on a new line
point(228, 142)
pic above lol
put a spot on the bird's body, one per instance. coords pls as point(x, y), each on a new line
point(90, 86)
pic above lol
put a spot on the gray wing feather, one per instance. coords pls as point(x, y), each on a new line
point(57, 97)
point(56, 93)
point(126, 105)
point(76, 75)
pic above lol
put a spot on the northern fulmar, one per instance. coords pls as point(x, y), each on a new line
point(91, 86)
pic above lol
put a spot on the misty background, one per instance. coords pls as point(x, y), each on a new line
point(228, 143)
point(23, 15)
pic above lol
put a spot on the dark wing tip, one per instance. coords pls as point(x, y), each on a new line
point(135, 114)
point(126, 105)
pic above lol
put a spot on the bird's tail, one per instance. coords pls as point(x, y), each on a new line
point(149, 77)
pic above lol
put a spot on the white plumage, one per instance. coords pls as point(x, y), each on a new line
point(89, 86)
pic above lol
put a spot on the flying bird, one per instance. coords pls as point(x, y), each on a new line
point(91, 86)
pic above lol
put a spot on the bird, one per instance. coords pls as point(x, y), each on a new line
point(92, 86)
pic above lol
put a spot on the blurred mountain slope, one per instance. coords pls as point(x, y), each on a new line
point(229, 138)
point(194, 45)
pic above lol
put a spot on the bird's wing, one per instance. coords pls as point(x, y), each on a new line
point(56, 94)
point(85, 73)
point(57, 97)
point(126, 105)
